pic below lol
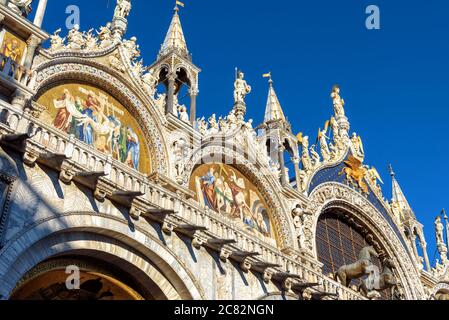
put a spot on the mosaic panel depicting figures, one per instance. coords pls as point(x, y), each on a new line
point(97, 119)
point(13, 47)
point(226, 191)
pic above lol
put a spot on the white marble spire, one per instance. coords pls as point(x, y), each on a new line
point(397, 194)
point(273, 110)
point(174, 40)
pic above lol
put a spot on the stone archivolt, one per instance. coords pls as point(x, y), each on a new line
point(156, 209)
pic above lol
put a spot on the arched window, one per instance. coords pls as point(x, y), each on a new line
point(339, 240)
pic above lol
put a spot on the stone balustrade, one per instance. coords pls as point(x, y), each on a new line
point(13, 70)
point(187, 210)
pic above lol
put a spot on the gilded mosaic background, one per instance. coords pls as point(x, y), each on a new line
point(13, 47)
point(226, 191)
point(97, 119)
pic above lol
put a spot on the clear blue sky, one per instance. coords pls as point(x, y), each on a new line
point(394, 80)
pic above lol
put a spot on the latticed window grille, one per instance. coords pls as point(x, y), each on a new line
point(339, 243)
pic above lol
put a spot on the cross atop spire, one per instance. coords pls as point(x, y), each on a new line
point(273, 110)
point(174, 40)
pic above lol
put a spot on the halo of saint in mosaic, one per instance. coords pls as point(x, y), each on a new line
point(97, 119)
point(224, 190)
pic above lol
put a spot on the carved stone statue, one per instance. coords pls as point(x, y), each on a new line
point(137, 68)
point(180, 149)
point(315, 156)
point(439, 229)
point(150, 81)
point(213, 125)
point(232, 120)
point(324, 148)
point(75, 38)
point(21, 6)
point(116, 63)
point(357, 144)
point(183, 115)
point(202, 125)
point(339, 103)
point(306, 161)
point(56, 42)
point(91, 41)
point(122, 9)
point(298, 221)
point(160, 101)
point(105, 36)
point(358, 269)
point(303, 180)
point(132, 48)
point(241, 88)
point(224, 125)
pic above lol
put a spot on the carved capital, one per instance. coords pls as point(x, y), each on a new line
point(135, 211)
point(267, 275)
point(100, 192)
point(245, 265)
point(224, 254)
point(167, 228)
point(197, 242)
point(67, 173)
point(287, 284)
point(30, 157)
point(33, 42)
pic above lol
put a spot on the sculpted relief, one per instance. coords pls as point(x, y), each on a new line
point(97, 119)
point(226, 191)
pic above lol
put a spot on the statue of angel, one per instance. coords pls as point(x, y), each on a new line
point(339, 103)
point(56, 42)
point(241, 88)
point(357, 144)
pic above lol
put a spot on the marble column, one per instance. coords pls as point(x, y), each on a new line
point(426, 257)
point(297, 175)
point(169, 108)
point(284, 179)
point(193, 95)
point(40, 13)
point(32, 44)
point(415, 250)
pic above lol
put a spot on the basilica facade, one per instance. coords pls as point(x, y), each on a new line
point(106, 176)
